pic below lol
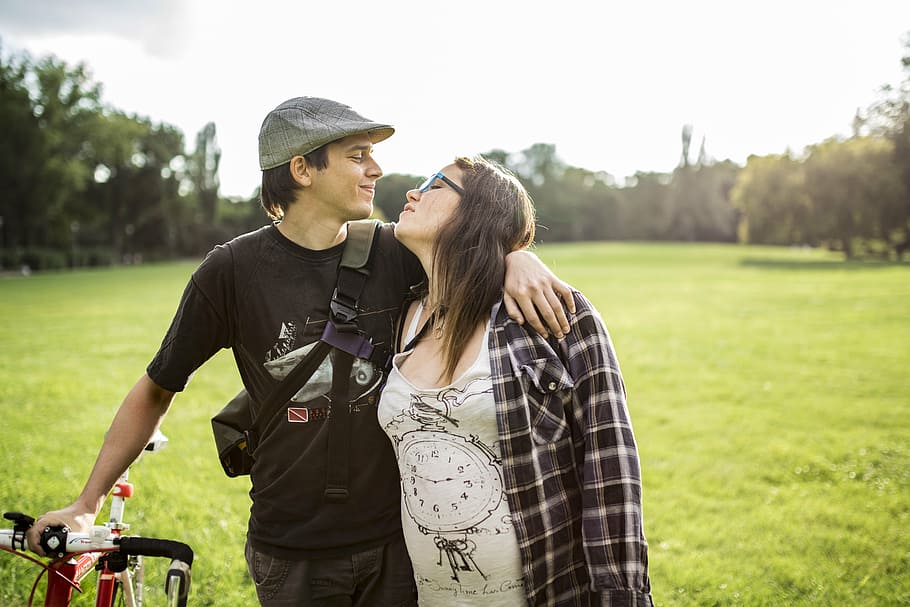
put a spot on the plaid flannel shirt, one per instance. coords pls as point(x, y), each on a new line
point(570, 463)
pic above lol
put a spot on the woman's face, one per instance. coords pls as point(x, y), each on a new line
point(427, 211)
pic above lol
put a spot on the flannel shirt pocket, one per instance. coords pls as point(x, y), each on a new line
point(550, 391)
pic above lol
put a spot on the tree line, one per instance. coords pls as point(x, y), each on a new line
point(82, 183)
point(86, 184)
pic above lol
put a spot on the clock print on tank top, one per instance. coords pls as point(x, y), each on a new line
point(455, 516)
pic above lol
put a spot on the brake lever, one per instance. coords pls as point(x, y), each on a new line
point(21, 522)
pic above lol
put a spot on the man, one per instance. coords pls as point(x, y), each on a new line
point(266, 296)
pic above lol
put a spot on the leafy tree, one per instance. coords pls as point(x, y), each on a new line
point(853, 186)
point(134, 206)
point(45, 146)
point(390, 195)
point(85, 181)
point(889, 118)
point(202, 231)
point(21, 149)
point(707, 189)
point(154, 195)
point(103, 213)
point(646, 207)
point(241, 215)
point(498, 156)
point(686, 144)
point(770, 193)
point(541, 171)
point(699, 194)
point(203, 169)
point(68, 105)
point(596, 214)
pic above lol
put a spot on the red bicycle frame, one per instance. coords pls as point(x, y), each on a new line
point(67, 576)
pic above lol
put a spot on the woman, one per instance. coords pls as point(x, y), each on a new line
point(519, 469)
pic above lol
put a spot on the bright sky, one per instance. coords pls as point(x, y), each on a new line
point(609, 83)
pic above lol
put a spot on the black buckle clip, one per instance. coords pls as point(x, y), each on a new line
point(343, 312)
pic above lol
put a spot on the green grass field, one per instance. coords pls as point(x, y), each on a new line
point(769, 389)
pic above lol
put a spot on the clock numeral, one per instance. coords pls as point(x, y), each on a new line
point(454, 506)
point(469, 484)
point(435, 507)
point(464, 496)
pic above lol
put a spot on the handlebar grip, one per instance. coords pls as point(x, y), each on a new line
point(147, 546)
point(177, 584)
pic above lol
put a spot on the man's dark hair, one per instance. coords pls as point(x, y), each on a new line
point(279, 188)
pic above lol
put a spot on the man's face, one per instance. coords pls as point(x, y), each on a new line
point(347, 185)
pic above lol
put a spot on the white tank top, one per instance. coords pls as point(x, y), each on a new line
point(455, 516)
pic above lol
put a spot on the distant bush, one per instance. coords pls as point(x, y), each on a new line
point(40, 258)
point(91, 257)
point(37, 259)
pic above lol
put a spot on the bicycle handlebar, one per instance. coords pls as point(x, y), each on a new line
point(148, 546)
point(58, 541)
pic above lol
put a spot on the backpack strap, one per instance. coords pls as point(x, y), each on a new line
point(353, 270)
point(339, 439)
point(343, 334)
point(342, 331)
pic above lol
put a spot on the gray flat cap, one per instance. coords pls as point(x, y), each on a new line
point(300, 125)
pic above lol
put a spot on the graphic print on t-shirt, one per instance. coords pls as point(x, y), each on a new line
point(285, 354)
point(452, 483)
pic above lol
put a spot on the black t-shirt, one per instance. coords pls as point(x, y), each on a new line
point(267, 299)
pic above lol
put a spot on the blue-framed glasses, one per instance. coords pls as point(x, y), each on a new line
point(426, 185)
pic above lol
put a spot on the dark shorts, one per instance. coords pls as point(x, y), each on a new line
point(379, 577)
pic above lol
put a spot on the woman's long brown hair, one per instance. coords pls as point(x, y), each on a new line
point(494, 218)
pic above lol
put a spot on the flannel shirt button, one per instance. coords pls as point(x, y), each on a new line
point(552, 386)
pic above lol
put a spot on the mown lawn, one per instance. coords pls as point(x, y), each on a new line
point(769, 390)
